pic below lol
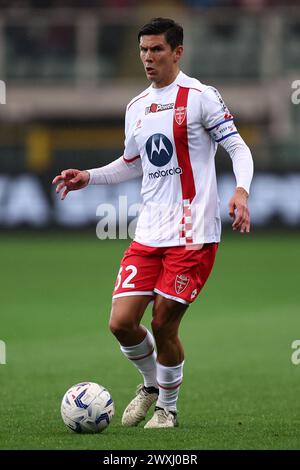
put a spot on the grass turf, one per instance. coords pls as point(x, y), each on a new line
point(240, 388)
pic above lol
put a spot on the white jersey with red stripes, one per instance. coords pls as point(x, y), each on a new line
point(173, 134)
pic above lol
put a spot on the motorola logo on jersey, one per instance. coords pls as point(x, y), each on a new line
point(162, 173)
point(159, 149)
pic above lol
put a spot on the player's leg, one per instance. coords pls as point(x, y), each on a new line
point(167, 315)
point(140, 268)
point(137, 344)
point(182, 278)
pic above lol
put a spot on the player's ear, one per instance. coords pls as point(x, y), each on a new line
point(178, 51)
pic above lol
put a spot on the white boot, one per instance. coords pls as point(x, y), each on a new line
point(138, 407)
point(162, 419)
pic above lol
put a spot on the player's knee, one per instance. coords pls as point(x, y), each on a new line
point(159, 326)
point(115, 327)
point(120, 329)
point(166, 319)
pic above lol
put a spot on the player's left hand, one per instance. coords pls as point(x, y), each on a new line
point(238, 210)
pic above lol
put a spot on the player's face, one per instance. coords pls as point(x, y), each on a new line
point(159, 60)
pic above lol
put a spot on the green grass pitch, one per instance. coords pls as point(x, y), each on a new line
point(240, 389)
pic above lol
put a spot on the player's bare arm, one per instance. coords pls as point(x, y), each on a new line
point(238, 210)
point(71, 180)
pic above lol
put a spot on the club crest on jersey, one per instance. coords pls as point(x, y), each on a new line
point(180, 114)
point(181, 283)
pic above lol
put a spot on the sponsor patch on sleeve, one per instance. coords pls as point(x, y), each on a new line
point(222, 130)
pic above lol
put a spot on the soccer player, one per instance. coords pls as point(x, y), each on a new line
point(172, 130)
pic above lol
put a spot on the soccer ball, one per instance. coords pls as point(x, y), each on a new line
point(87, 407)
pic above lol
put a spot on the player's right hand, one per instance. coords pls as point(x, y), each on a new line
point(71, 180)
point(238, 210)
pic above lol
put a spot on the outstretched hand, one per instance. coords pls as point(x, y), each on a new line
point(71, 180)
point(238, 210)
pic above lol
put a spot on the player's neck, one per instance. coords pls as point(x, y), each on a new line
point(167, 81)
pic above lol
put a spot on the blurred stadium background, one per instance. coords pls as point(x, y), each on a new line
point(70, 68)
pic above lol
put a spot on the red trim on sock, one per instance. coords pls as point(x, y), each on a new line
point(141, 357)
point(170, 388)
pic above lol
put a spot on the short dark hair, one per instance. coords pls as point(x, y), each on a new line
point(173, 31)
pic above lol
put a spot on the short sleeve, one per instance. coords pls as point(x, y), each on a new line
point(215, 116)
point(130, 151)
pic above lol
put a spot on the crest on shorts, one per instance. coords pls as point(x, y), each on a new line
point(181, 283)
point(180, 114)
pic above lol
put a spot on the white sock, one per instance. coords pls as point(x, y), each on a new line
point(169, 380)
point(143, 356)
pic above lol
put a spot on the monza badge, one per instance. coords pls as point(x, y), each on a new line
point(180, 114)
point(181, 283)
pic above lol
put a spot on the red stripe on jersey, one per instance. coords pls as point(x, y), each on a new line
point(182, 145)
point(129, 106)
point(130, 160)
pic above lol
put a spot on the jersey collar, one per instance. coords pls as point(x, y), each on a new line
point(165, 89)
